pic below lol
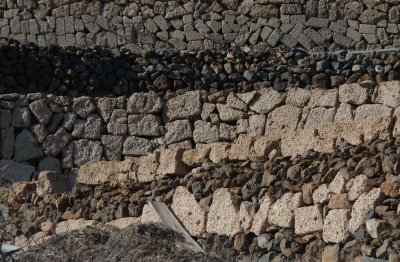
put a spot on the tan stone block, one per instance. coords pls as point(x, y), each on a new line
point(241, 149)
point(282, 119)
point(322, 194)
point(196, 157)
point(372, 110)
point(298, 142)
point(375, 127)
point(123, 222)
point(320, 116)
point(308, 219)
point(149, 215)
point(324, 98)
point(171, 163)
point(338, 184)
point(73, 224)
point(188, 211)
point(388, 93)
point(263, 146)
point(219, 152)
point(353, 94)
point(298, 97)
point(260, 220)
point(103, 171)
point(335, 229)
point(364, 204)
point(147, 168)
point(223, 217)
point(281, 212)
point(357, 187)
point(344, 113)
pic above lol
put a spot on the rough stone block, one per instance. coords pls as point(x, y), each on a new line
point(364, 204)
point(136, 146)
point(147, 167)
point(298, 97)
point(16, 172)
point(188, 211)
point(282, 119)
point(320, 116)
point(260, 220)
point(118, 124)
point(368, 110)
point(26, 147)
point(178, 131)
point(335, 229)
point(196, 157)
point(223, 217)
point(50, 182)
point(353, 94)
point(205, 132)
point(219, 152)
point(41, 111)
point(266, 100)
point(242, 149)
point(144, 125)
point(171, 163)
point(101, 172)
point(86, 151)
point(308, 220)
point(344, 113)
point(184, 106)
point(73, 224)
point(281, 212)
point(322, 194)
point(83, 106)
point(323, 98)
point(388, 93)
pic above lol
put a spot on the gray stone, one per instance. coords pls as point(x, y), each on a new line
point(51, 182)
point(118, 124)
point(21, 117)
point(178, 131)
point(89, 128)
point(86, 151)
point(26, 147)
point(55, 143)
point(49, 164)
point(228, 114)
point(16, 172)
point(367, 29)
point(40, 132)
point(205, 132)
point(41, 111)
point(184, 106)
point(256, 125)
point(105, 106)
point(112, 146)
point(227, 132)
point(136, 146)
point(338, 28)
point(317, 22)
point(83, 106)
point(7, 142)
point(5, 118)
point(266, 32)
point(342, 40)
point(144, 125)
point(274, 37)
point(283, 119)
point(320, 116)
point(69, 120)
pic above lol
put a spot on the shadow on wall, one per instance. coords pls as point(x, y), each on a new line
point(97, 72)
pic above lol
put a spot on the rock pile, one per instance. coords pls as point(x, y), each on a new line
point(98, 72)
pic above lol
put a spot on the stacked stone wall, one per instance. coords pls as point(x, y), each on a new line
point(60, 133)
point(195, 25)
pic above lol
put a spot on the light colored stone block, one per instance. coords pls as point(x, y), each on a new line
point(308, 219)
point(188, 211)
point(281, 212)
point(335, 228)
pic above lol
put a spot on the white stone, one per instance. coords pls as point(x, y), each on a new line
point(282, 211)
point(260, 220)
point(335, 228)
point(308, 219)
point(322, 194)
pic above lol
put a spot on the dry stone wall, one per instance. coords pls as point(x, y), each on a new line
point(195, 25)
point(164, 135)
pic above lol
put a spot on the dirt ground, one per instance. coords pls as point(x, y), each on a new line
point(135, 243)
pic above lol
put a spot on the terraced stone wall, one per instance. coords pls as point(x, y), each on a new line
point(61, 133)
point(195, 25)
